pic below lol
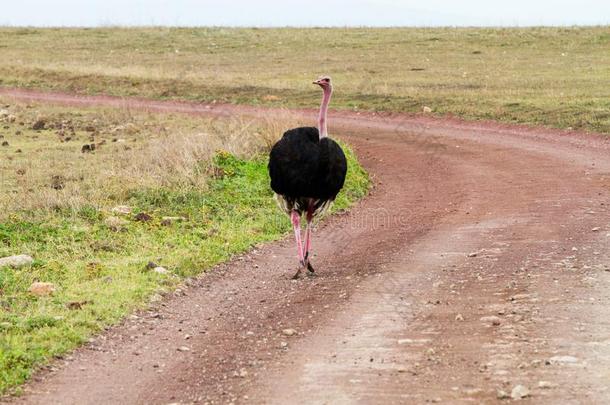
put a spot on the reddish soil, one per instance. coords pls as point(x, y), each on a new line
point(480, 262)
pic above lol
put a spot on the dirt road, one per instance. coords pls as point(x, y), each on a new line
point(480, 263)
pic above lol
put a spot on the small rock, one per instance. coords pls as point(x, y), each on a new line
point(546, 385)
point(5, 143)
point(151, 265)
point(115, 223)
point(42, 289)
point(39, 124)
point(413, 341)
point(131, 129)
point(289, 332)
point(427, 110)
point(156, 298)
point(283, 345)
point(519, 391)
point(87, 148)
point(493, 320)
point(563, 359)
point(166, 221)
point(58, 182)
point(473, 391)
point(16, 261)
point(183, 349)
point(77, 304)
point(596, 229)
point(160, 270)
point(459, 317)
point(143, 217)
point(473, 254)
point(121, 209)
point(501, 394)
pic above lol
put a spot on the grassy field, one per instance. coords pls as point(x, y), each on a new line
point(57, 203)
point(557, 77)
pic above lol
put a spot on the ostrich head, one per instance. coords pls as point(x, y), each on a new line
point(324, 82)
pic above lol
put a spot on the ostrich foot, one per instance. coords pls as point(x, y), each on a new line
point(310, 269)
point(298, 273)
point(307, 264)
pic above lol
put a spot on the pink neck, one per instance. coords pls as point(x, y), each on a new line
point(323, 110)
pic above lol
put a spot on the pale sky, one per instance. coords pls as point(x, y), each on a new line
point(276, 13)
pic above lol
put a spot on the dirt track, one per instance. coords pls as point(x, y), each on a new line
point(480, 261)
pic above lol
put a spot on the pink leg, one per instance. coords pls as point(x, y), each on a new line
point(308, 240)
point(296, 224)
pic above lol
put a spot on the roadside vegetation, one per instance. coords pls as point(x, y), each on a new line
point(117, 208)
point(556, 77)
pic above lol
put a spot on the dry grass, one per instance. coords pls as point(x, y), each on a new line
point(179, 158)
point(46, 169)
point(545, 76)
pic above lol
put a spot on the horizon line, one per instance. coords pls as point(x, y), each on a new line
point(107, 26)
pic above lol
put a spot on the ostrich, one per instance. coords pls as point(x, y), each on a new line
point(307, 171)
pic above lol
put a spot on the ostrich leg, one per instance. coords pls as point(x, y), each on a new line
point(308, 239)
point(296, 224)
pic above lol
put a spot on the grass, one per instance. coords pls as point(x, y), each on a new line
point(555, 77)
point(57, 207)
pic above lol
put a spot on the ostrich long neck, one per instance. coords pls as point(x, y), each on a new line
point(323, 110)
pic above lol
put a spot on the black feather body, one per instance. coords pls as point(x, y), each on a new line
point(306, 172)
